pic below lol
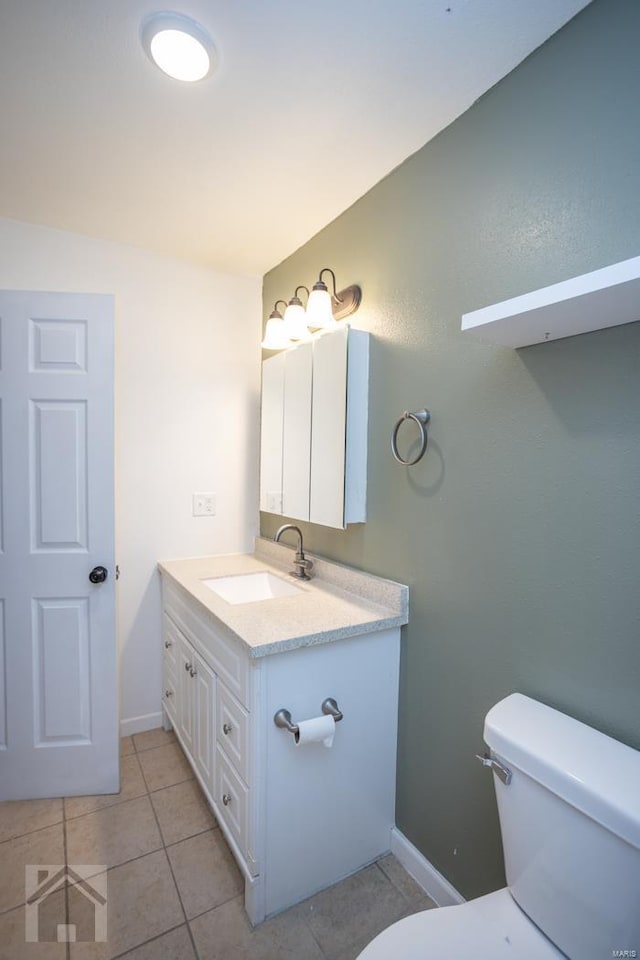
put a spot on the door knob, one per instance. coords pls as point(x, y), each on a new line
point(98, 575)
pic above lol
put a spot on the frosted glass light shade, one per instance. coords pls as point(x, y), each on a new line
point(178, 45)
point(319, 311)
point(179, 55)
point(275, 337)
point(295, 322)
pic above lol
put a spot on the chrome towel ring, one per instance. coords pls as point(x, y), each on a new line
point(422, 418)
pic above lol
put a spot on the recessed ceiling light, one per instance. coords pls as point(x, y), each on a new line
point(180, 46)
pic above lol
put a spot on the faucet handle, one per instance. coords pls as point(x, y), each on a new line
point(300, 567)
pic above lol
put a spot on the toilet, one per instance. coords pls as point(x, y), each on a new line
point(569, 807)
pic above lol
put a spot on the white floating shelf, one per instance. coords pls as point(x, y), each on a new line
point(604, 298)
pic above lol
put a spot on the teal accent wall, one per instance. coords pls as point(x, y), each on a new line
point(519, 533)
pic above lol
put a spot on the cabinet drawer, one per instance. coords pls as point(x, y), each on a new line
point(232, 801)
point(232, 724)
point(170, 644)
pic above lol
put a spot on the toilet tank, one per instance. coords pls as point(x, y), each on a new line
point(570, 822)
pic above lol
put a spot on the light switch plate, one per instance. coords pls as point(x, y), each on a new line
point(204, 505)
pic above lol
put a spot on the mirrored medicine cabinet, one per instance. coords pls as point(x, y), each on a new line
point(313, 447)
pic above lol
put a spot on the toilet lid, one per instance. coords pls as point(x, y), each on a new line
point(488, 928)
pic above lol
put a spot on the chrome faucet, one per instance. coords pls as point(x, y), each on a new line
point(300, 564)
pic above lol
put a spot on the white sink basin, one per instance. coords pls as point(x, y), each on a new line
point(251, 587)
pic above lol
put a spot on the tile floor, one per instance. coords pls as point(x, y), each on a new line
point(175, 892)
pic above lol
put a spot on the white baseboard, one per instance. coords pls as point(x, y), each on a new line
point(423, 872)
point(149, 721)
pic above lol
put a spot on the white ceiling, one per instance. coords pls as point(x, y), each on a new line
point(312, 104)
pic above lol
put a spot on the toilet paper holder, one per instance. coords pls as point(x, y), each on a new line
point(282, 717)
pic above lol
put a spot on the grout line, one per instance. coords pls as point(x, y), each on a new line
point(235, 896)
point(35, 829)
point(125, 863)
point(146, 942)
point(18, 906)
point(115, 803)
point(166, 786)
point(173, 876)
point(107, 806)
point(21, 836)
point(155, 746)
point(192, 836)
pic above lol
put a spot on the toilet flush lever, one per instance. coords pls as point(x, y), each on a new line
point(498, 768)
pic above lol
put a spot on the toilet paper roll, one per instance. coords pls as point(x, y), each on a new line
point(317, 730)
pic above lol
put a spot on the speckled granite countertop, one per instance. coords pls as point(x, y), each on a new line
point(337, 602)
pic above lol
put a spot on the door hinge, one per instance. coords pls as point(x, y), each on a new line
point(117, 572)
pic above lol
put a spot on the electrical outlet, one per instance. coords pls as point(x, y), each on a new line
point(204, 505)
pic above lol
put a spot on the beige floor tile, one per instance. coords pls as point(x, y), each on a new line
point(417, 906)
point(18, 817)
point(393, 869)
point(114, 835)
point(126, 746)
point(226, 934)
point(182, 811)
point(153, 738)
point(353, 911)
point(132, 785)
point(205, 871)
point(44, 846)
point(142, 903)
point(171, 946)
point(164, 766)
point(353, 951)
point(12, 932)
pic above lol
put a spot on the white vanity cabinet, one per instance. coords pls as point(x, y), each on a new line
point(313, 450)
point(297, 818)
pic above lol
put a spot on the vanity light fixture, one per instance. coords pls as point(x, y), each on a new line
point(275, 337)
point(178, 45)
point(324, 309)
point(295, 318)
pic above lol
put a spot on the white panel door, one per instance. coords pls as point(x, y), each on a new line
point(58, 661)
point(328, 428)
point(272, 413)
point(296, 458)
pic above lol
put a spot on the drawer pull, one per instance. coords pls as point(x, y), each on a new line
point(187, 666)
point(226, 799)
point(226, 729)
point(168, 693)
point(167, 644)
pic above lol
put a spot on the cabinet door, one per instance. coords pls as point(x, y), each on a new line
point(328, 428)
point(169, 693)
point(296, 459)
point(271, 432)
point(185, 693)
point(204, 689)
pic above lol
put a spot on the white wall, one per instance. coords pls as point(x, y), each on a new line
point(187, 409)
